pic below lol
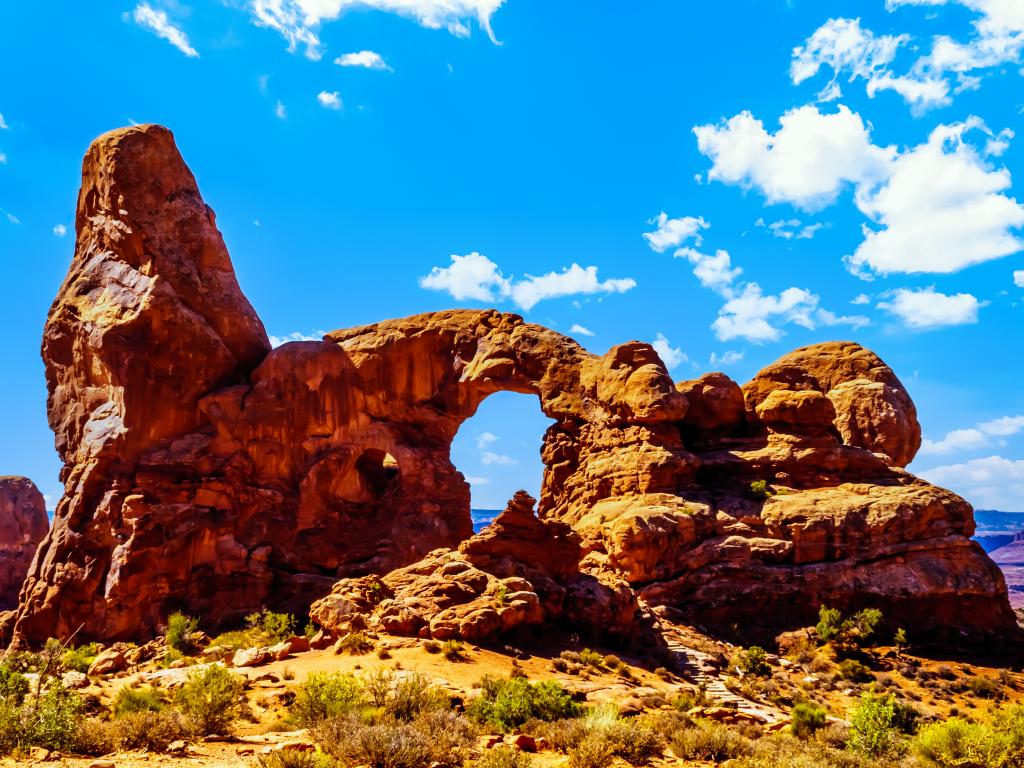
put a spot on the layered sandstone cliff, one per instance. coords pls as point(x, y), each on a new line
point(23, 524)
point(206, 472)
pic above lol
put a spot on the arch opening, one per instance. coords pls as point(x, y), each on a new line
point(498, 451)
point(378, 471)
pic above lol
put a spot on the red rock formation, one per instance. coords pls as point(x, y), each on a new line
point(23, 524)
point(206, 473)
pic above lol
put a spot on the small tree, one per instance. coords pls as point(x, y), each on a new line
point(210, 700)
point(873, 727)
point(829, 623)
point(179, 629)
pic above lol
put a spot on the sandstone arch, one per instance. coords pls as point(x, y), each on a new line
point(206, 472)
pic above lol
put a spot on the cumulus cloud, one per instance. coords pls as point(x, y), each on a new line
point(982, 435)
point(993, 482)
point(298, 20)
point(714, 272)
point(860, 299)
point(807, 162)
point(581, 330)
point(158, 22)
point(364, 59)
point(474, 276)
point(924, 309)
point(60, 230)
point(485, 439)
point(329, 100)
point(937, 207)
point(671, 356)
point(935, 77)
point(790, 229)
point(941, 210)
point(1018, 278)
point(277, 341)
point(671, 233)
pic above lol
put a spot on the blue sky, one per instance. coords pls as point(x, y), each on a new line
point(729, 180)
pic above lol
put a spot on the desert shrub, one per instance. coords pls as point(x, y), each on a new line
point(873, 726)
point(383, 745)
point(594, 751)
point(506, 704)
point(79, 659)
point(324, 695)
point(957, 742)
point(829, 623)
point(412, 696)
point(290, 758)
point(710, 741)
point(857, 631)
point(383, 653)
point(149, 730)
point(983, 687)
point(131, 700)
point(273, 627)
point(13, 687)
point(355, 643)
point(52, 720)
point(611, 661)
point(210, 700)
point(759, 490)
point(564, 734)
point(754, 661)
point(505, 757)
point(95, 737)
point(855, 671)
point(449, 734)
point(807, 719)
point(570, 656)
point(636, 743)
point(179, 629)
point(559, 664)
point(590, 658)
point(453, 650)
point(431, 646)
point(687, 700)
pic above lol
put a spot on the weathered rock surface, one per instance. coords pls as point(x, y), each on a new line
point(23, 524)
point(205, 472)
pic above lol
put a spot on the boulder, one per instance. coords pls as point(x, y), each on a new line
point(109, 661)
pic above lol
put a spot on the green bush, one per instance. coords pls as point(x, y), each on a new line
point(856, 631)
point(956, 743)
point(807, 719)
point(52, 720)
point(507, 704)
point(759, 490)
point(325, 695)
point(179, 629)
point(13, 687)
point(210, 700)
point(754, 661)
point(855, 671)
point(412, 696)
point(873, 726)
point(590, 658)
point(271, 627)
point(355, 643)
point(81, 658)
point(505, 757)
point(453, 650)
point(131, 700)
point(829, 622)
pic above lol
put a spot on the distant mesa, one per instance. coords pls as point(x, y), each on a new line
point(23, 524)
point(208, 473)
point(1011, 553)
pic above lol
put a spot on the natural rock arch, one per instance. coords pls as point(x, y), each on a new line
point(204, 471)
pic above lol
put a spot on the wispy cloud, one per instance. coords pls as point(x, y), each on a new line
point(158, 22)
point(673, 357)
point(581, 330)
point(280, 111)
point(277, 341)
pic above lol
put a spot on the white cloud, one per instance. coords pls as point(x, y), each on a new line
point(860, 299)
point(671, 356)
point(298, 20)
point(364, 59)
point(490, 457)
point(729, 357)
point(280, 111)
point(3, 159)
point(579, 330)
point(790, 229)
point(935, 77)
point(925, 308)
point(60, 230)
point(3, 123)
point(982, 435)
point(10, 217)
point(941, 210)
point(476, 480)
point(1003, 426)
point(714, 272)
point(938, 207)
point(1018, 278)
point(277, 341)
point(671, 233)
point(157, 21)
point(329, 100)
point(474, 276)
point(994, 482)
point(484, 439)
point(807, 162)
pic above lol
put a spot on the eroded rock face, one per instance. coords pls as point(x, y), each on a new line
point(23, 524)
point(207, 473)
